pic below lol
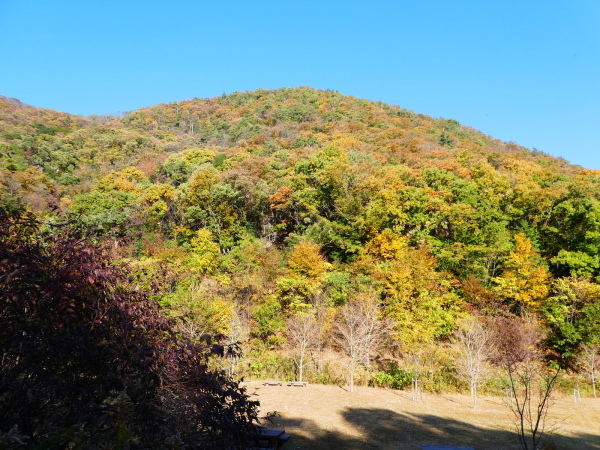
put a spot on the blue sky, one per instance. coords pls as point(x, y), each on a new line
point(525, 71)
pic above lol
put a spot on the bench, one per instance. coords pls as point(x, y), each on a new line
point(272, 383)
point(298, 383)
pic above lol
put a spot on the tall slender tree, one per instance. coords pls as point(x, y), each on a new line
point(360, 332)
point(474, 344)
point(589, 358)
point(302, 335)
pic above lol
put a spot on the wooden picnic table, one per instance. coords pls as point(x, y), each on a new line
point(298, 383)
point(444, 447)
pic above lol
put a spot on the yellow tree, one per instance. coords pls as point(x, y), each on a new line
point(156, 199)
point(418, 298)
point(200, 308)
point(524, 283)
point(204, 257)
point(307, 270)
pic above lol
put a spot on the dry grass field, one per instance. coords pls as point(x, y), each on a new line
point(330, 417)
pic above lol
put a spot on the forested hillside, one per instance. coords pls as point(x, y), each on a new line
point(268, 215)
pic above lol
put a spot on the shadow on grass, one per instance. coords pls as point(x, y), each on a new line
point(385, 429)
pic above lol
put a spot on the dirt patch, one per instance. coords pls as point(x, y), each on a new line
point(330, 417)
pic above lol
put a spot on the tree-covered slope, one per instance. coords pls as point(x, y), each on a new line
point(262, 205)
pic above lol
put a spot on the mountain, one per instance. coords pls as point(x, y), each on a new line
point(259, 204)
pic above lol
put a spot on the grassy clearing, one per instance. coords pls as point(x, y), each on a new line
point(330, 417)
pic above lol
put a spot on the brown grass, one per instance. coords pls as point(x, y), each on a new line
point(330, 417)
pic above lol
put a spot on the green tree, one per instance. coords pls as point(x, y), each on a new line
point(572, 313)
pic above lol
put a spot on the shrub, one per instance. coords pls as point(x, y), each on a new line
point(87, 356)
point(394, 378)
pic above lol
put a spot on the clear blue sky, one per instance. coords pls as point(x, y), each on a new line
point(526, 71)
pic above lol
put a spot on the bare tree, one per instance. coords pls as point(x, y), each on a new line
point(589, 358)
point(360, 331)
point(474, 348)
point(191, 328)
point(239, 330)
point(519, 343)
point(325, 316)
point(303, 334)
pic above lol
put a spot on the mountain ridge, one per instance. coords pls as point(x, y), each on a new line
point(231, 99)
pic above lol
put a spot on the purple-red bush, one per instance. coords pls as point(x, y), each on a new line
point(87, 356)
